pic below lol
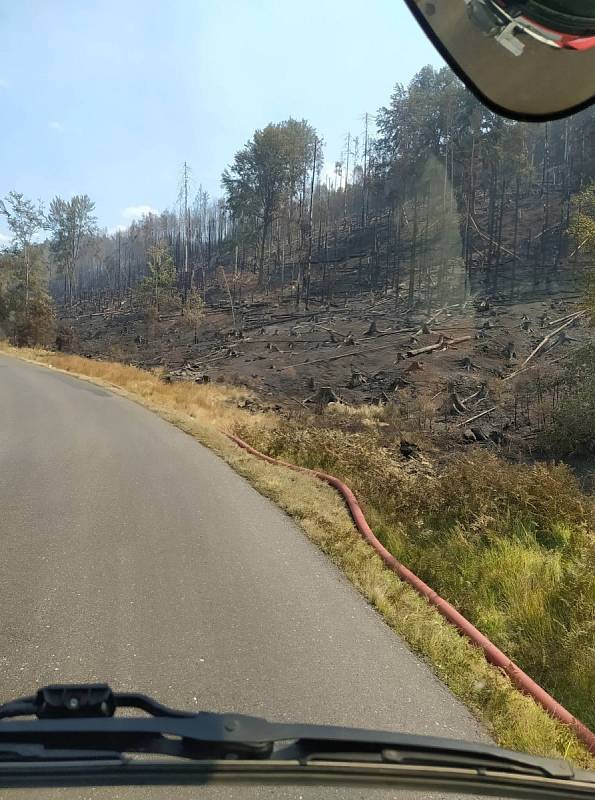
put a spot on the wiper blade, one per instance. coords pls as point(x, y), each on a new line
point(19, 752)
point(78, 722)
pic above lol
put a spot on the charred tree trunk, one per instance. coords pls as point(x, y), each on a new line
point(498, 258)
point(515, 235)
point(411, 291)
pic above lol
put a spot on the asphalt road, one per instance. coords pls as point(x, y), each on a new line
point(133, 555)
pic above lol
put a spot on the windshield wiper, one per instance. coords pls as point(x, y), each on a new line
point(75, 736)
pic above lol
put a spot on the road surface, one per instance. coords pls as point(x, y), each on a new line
point(133, 555)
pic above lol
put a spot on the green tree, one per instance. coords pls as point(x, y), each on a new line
point(582, 230)
point(26, 309)
point(70, 222)
point(194, 311)
point(25, 219)
point(5, 278)
point(255, 181)
point(161, 280)
point(300, 143)
point(270, 167)
point(416, 126)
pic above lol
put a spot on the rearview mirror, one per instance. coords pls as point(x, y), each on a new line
point(526, 59)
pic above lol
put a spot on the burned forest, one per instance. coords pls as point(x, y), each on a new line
point(439, 264)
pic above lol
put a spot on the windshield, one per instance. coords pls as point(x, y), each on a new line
point(296, 227)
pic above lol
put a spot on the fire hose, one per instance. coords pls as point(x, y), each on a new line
point(492, 653)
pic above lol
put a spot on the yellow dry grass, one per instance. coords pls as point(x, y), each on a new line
point(514, 720)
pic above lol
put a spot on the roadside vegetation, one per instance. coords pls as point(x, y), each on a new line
point(505, 543)
point(572, 429)
point(511, 546)
point(27, 313)
point(571, 432)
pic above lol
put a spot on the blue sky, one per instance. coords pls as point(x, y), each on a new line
point(109, 98)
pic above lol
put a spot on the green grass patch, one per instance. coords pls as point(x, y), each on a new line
point(511, 546)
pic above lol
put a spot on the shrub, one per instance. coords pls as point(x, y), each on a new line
point(572, 430)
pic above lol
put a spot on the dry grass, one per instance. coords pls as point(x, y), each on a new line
point(514, 720)
point(214, 403)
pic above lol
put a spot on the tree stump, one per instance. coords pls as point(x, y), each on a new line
point(323, 397)
point(357, 379)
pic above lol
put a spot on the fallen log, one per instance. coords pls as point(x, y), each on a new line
point(348, 354)
point(330, 331)
point(427, 349)
point(561, 319)
point(546, 339)
point(563, 338)
point(479, 395)
point(489, 239)
point(443, 343)
point(426, 327)
point(456, 404)
point(393, 333)
point(229, 353)
point(582, 244)
point(477, 416)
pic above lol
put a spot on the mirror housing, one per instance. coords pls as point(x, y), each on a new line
point(530, 60)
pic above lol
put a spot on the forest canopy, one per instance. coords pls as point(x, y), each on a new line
point(435, 196)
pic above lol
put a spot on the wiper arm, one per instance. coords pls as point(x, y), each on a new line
point(84, 700)
point(78, 722)
point(80, 718)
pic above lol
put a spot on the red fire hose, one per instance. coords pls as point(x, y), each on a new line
point(493, 654)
